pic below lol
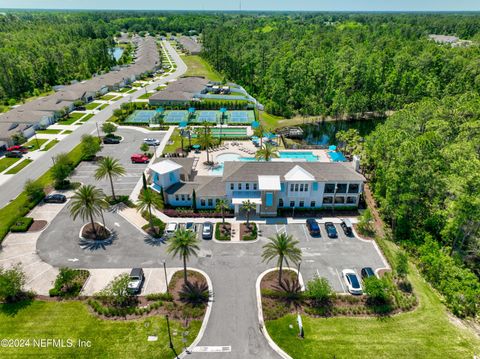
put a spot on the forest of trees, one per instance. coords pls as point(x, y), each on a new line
point(424, 167)
point(344, 64)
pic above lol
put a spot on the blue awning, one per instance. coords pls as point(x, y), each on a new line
point(160, 109)
point(332, 148)
point(223, 110)
point(196, 147)
point(183, 124)
point(191, 110)
point(255, 124)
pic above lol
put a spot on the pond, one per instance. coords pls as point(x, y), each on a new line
point(117, 52)
point(323, 133)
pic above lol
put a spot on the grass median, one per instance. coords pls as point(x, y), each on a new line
point(19, 167)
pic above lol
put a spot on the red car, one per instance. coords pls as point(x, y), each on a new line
point(17, 148)
point(138, 158)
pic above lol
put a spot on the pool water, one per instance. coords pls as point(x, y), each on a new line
point(337, 156)
point(218, 170)
point(307, 156)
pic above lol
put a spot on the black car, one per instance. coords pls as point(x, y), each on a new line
point(55, 198)
point(313, 227)
point(111, 140)
point(367, 272)
point(207, 230)
point(136, 280)
point(14, 154)
point(331, 230)
point(347, 227)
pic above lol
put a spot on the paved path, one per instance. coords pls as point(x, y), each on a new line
point(14, 186)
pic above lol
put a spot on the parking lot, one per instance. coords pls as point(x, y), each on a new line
point(132, 140)
point(327, 257)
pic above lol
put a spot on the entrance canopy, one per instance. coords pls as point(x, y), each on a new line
point(269, 183)
point(241, 196)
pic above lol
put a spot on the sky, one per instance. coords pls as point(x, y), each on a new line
point(304, 5)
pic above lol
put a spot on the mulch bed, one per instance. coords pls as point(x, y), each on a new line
point(225, 230)
point(270, 280)
point(37, 225)
point(246, 230)
point(102, 232)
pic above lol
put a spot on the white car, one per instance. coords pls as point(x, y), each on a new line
point(171, 228)
point(151, 141)
point(352, 282)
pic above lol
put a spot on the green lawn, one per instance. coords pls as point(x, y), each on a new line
point(67, 132)
point(105, 105)
point(424, 333)
point(35, 143)
point(123, 90)
point(50, 145)
point(269, 120)
point(145, 96)
point(107, 97)
point(7, 162)
point(49, 132)
point(88, 117)
point(132, 91)
point(117, 98)
point(92, 105)
point(199, 67)
point(72, 117)
point(137, 84)
point(72, 320)
point(19, 167)
point(177, 142)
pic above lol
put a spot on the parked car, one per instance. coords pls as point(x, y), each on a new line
point(313, 227)
point(331, 230)
point(171, 228)
point(55, 198)
point(190, 226)
point(367, 272)
point(347, 227)
point(21, 149)
point(207, 230)
point(351, 280)
point(151, 141)
point(139, 158)
point(14, 154)
point(111, 140)
point(136, 280)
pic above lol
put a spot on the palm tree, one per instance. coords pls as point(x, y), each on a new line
point(248, 207)
point(109, 167)
point(205, 139)
point(222, 206)
point(267, 152)
point(87, 202)
point(184, 244)
point(259, 133)
point(146, 201)
point(283, 247)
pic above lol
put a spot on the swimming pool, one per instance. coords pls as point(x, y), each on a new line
point(301, 155)
point(220, 159)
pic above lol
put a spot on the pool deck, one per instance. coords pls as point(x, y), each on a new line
point(244, 149)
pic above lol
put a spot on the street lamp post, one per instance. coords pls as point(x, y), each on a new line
point(98, 132)
point(165, 272)
point(170, 338)
point(334, 197)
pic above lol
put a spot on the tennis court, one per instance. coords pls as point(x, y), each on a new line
point(142, 116)
point(240, 116)
point(206, 116)
point(229, 132)
point(175, 116)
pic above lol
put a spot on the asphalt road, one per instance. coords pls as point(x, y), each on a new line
point(132, 139)
point(14, 186)
point(232, 267)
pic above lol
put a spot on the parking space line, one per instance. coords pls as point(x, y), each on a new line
point(341, 282)
point(307, 237)
point(148, 280)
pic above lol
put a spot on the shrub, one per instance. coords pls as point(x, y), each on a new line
point(34, 190)
point(376, 290)
point(22, 224)
point(109, 128)
point(220, 235)
point(69, 283)
point(365, 225)
point(90, 146)
point(319, 291)
point(117, 294)
point(159, 296)
point(401, 267)
point(11, 284)
point(61, 169)
point(195, 293)
point(253, 235)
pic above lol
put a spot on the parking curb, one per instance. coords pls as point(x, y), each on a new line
point(261, 322)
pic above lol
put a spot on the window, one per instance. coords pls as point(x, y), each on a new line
point(171, 175)
point(296, 187)
point(280, 202)
point(254, 186)
point(269, 199)
point(282, 187)
point(315, 186)
point(301, 204)
point(216, 201)
point(239, 186)
point(210, 202)
point(301, 187)
point(292, 203)
point(291, 187)
point(177, 198)
point(329, 188)
point(183, 197)
point(351, 200)
point(247, 186)
point(306, 187)
point(327, 200)
point(342, 188)
point(312, 204)
point(353, 188)
point(339, 200)
point(232, 186)
point(188, 197)
point(202, 202)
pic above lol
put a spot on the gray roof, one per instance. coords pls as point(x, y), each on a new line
point(182, 89)
point(190, 44)
point(238, 171)
point(7, 129)
point(204, 186)
point(18, 115)
point(182, 188)
point(185, 162)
